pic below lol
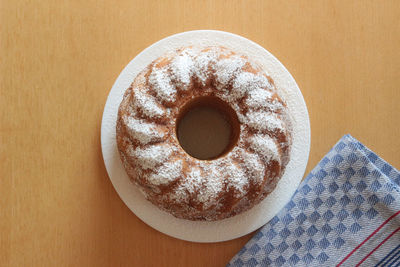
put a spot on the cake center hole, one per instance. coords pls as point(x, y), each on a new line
point(207, 128)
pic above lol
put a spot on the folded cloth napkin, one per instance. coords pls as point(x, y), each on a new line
point(345, 213)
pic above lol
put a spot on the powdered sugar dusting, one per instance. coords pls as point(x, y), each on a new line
point(253, 165)
point(226, 69)
point(166, 173)
point(160, 80)
point(143, 131)
point(211, 187)
point(202, 63)
point(265, 147)
point(259, 98)
point(187, 188)
point(237, 178)
point(146, 103)
point(247, 81)
point(182, 68)
point(208, 190)
point(205, 191)
point(226, 167)
point(151, 156)
point(261, 120)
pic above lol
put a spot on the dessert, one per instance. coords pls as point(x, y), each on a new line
point(204, 189)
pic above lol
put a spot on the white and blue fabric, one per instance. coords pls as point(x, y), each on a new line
point(345, 213)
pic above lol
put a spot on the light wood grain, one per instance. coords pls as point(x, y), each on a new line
point(59, 59)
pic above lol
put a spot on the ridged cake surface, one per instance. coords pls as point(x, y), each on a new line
point(171, 179)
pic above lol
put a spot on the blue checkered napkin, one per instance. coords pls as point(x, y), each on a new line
point(346, 212)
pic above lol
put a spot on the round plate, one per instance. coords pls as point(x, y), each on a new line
point(239, 225)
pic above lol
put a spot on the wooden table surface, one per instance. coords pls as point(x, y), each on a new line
point(59, 60)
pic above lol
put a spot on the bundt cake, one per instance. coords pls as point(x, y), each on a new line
point(204, 189)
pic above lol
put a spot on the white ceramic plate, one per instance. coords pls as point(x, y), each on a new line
point(243, 223)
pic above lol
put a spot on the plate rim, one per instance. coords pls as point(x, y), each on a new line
point(217, 238)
